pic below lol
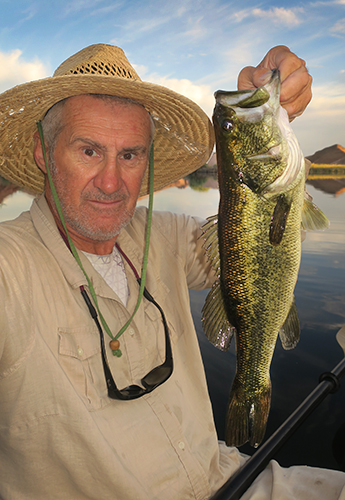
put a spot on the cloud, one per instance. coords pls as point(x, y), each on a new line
point(339, 27)
point(277, 15)
point(79, 5)
point(29, 13)
point(280, 15)
point(14, 69)
point(326, 3)
point(328, 100)
point(241, 15)
point(322, 124)
point(241, 54)
point(197, 30)
point(200, 93)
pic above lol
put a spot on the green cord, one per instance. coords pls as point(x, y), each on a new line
point(116, 352)
point(146, 251)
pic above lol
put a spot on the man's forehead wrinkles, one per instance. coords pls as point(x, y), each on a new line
point(91, 142)
point(87, 140)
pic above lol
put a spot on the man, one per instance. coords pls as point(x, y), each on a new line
point(76, 421)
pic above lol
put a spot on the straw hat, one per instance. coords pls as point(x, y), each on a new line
point(184, 135)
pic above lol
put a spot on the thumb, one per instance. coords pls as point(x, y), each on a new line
point(251, 77)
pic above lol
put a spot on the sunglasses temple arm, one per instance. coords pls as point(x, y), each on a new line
point(148, 296)
point(93, 313)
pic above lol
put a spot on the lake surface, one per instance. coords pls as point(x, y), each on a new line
point(320, 300)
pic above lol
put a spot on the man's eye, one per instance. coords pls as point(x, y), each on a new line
point(128, 156)
point(90, 152)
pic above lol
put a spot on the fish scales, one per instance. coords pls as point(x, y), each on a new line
point(261, 173)
point(257, 288)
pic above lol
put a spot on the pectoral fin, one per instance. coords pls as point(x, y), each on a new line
point(312, 217)
point(289, 332)
point(278, 221)
point(214, 319)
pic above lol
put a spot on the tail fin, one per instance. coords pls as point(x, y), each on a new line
point(247, 415)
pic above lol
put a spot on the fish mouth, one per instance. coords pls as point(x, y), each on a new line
point(273, 152)
point(251, 98)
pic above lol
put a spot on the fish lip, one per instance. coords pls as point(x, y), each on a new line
point(272, 152)
point(237, 98)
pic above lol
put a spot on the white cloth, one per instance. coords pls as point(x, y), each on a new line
point(112, 270)
point(296, 483)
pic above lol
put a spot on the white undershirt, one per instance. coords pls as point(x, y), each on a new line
point(111, 268)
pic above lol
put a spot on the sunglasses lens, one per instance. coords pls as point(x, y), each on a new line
point(132, 392)
point(157, 376)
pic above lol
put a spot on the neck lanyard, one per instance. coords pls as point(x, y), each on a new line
point(116, 351)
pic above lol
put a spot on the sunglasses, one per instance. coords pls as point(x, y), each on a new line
point(156, 377)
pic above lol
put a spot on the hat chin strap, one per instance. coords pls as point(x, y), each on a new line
point(116, 352)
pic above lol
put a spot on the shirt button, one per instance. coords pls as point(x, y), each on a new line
point(80, 351)
point(131, 331)
point(181, 445)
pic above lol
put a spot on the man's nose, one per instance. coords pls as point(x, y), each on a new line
point(108, 179)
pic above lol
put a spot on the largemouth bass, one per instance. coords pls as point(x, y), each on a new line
point(254, 244)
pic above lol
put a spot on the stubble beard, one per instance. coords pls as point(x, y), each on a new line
point(87, 225)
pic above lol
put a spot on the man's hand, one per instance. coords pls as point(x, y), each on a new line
point(296, 81)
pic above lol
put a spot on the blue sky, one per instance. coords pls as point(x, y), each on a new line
point(194, 47)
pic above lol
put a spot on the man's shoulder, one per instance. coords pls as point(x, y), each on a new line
point(168, 230)
point(16, 233)
point(21, 224)
point(161, 220)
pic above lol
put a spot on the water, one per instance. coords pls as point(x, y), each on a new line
point(320, 300)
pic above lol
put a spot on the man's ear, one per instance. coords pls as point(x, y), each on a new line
point(38, 153)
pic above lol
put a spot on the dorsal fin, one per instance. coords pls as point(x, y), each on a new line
point(210, 235)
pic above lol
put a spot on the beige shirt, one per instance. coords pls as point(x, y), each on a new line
point(61, 437)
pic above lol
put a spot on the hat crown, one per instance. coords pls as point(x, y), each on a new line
point(98, 59)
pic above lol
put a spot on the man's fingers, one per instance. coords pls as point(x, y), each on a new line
point(297, 106)
point(295, 85)
point(295, 79)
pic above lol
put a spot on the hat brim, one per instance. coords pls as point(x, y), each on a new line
point(183, 141)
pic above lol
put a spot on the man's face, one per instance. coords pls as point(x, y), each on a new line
point(100, 160)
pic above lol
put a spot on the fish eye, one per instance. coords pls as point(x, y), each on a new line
point(227, 125)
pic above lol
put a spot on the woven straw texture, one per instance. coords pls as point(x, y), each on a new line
point(184, 135)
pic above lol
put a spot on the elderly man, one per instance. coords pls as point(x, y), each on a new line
point(78, 422)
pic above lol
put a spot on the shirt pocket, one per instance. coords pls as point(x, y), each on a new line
point(80, 358)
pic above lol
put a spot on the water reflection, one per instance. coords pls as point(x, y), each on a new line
point(320, 299)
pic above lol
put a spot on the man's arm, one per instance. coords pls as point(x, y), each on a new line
point(296, 82)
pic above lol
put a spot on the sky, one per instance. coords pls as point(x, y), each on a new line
point(193, 47)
